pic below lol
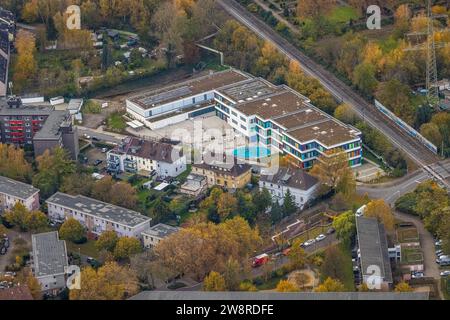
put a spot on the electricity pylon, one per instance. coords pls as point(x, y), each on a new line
point(431, 45)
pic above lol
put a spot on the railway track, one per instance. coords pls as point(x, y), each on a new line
point(341, 91)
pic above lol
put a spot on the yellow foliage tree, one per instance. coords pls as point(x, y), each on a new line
point(382, 211)
point(110, 282)
point(286, 286)
point(214, 282)
point(330, 285)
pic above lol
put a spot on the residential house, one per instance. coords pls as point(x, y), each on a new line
point(302, 186)
point(232, 176)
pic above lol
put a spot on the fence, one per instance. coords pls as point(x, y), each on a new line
point(407, 128)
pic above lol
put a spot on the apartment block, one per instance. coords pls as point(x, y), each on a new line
point(97, 216)
point(38, 126)
point(276, 117)
point(49, 261)
point(12, 192)
point(165, 158)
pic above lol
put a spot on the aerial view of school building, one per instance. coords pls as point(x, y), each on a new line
point(276, 117)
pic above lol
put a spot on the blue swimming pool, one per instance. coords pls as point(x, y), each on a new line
point(255, 152)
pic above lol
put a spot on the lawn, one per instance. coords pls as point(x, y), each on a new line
point(343, 14)
point(116, 122)
point(88, 248)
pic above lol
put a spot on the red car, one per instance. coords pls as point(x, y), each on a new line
point(260, 260)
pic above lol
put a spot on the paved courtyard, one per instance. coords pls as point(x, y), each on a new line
point(208, 130)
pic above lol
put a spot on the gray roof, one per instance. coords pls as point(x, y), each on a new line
point(16, 189)
point(234, 296)
point(51, 129)
point(25, 110)
point(291, 177)
point(99, 209)
point(75, 104)
point(373, 247)
point(49, 254)
point(160, 230)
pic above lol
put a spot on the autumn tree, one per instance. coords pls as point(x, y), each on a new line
point(333, 171)
point(330, 285)
point(52, 167)
point(17, 216)
point(72, 230)
point(226, 205)
point(214, 282)
point(109, 282)
point(77, 184)
point(13, 164)
point(107, 241)
point(286, 286)
point(25, 65)
point(210, 246)
point(345, 226)
point(345, 113)
point(127, 247)
point(297, 256)
point(432, 133)
point(403, 287)
point(333, 265)
point(382, 211)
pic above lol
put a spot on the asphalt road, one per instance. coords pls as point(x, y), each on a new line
point(390, 192)
point(367, 111)
point(104, 136)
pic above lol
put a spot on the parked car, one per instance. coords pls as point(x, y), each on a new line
point(309, 242)
point(95, 139)
point(104, 150)
point(87, 136)
point(439, 253)
point(445, 273)
point(438, 243)
point(98, 162)
point(331, 231)
point(320, 237)
point(417, 274)
point(260, 260)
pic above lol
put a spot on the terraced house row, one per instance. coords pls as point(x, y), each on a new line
point(276, 117)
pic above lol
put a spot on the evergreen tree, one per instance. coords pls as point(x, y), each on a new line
point(276, 212)
point(289, 206)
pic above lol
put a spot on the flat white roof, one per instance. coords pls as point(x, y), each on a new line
point(161, 186)
point(135, 124)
